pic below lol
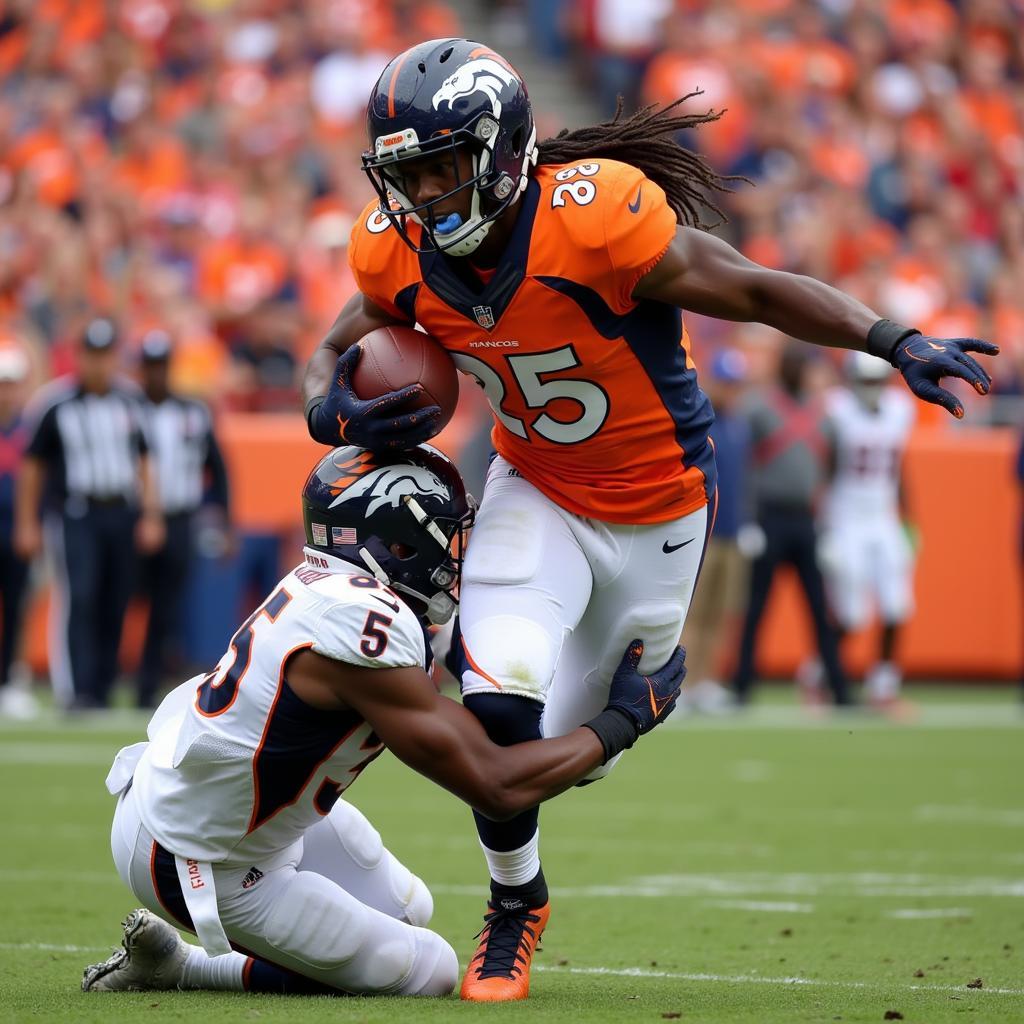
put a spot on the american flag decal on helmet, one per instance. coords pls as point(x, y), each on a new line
point(343, 535)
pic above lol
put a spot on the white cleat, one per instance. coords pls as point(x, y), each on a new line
point(152, 957)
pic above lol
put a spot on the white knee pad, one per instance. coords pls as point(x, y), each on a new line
point(419, 903)
point(436, 968)
point(360, 839)
point(315, 921)
point(509, 654)
point(362, 842)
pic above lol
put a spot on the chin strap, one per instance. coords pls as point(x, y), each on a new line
point(374, 566)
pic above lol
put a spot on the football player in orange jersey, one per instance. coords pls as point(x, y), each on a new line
point(554, 273)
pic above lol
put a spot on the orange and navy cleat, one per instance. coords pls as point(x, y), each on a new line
point(500, 969)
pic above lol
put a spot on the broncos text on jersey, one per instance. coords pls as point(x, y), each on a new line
point(594, 394)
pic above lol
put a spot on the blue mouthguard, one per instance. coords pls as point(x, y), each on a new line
point(449, 224)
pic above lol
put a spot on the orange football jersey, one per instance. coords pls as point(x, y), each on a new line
point(594, 395)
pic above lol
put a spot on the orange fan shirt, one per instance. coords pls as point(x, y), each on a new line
point(594, 394)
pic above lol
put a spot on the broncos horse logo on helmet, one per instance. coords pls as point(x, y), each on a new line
point(389, 485)
point(404, 517)
point(436, 99)
point(483, 74)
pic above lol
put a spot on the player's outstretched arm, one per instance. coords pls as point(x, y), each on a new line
point(702, 273)
point(443, 741)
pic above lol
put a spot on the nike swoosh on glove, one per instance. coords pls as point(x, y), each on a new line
point(648, 700)
point(375, 423)
point(923, 361)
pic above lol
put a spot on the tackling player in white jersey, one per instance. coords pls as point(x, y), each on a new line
point(867, 557)
point(229, 820)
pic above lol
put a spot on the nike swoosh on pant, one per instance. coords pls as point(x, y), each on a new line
point(634, 207)
point(669, 548)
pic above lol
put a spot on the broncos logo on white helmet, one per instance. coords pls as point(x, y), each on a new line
point(387, 486)
point(483, 74)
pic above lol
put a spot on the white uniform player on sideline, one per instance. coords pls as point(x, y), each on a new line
point(866, 555)
point(229, 820)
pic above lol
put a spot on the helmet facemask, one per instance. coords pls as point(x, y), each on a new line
point(492, 191)
point(428, 570)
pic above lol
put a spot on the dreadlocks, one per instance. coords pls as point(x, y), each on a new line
point(646, 140)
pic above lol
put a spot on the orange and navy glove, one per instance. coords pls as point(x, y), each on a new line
point(923, 361)
point(342, 417)
point(637, 703)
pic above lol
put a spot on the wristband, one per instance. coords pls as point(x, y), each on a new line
point(311, 407)
point(616, 730)
point(884, 336)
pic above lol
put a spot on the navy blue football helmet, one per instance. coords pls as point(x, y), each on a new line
point(404, 516)
point(431, 100)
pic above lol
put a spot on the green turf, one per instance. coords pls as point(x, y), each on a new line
point(766, 869)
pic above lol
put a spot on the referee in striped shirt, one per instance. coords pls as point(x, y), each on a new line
point(87, 468)
point(190, 472)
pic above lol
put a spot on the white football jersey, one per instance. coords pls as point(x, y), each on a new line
point(238, 767)
point(869, 453)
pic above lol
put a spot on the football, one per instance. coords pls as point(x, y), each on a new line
point(394, 357)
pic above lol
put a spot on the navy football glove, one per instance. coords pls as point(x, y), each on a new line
point(342, 417)
point(923, 361)
point(637, 703)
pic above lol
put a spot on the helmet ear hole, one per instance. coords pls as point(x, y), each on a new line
point(517, 143)
point(400, 550)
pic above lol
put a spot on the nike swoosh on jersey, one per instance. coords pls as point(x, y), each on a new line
point(634, 207)
point(669, 548)
point(393, 605)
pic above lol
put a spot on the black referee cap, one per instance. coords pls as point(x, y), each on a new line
point(100, 334)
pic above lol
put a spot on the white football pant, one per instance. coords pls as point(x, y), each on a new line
point(336, 907)
point(550, 600)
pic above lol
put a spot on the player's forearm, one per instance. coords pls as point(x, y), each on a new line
point(357, 318)
point(811, 310)
point(319, 369)
point(527, 774)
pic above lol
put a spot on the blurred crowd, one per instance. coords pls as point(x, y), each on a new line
point(188, 165)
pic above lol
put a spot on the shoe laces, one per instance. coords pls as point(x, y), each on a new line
point(506, 941)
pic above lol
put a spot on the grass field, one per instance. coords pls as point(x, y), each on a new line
point(764, 869)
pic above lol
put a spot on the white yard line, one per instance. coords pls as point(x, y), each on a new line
point(49, 947)
point(766, 905)
point(756, 979)
point(971, 815)
point(927, 914)
point(757, 884)
point(633, 972)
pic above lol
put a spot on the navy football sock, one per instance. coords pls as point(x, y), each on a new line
point(507, 720)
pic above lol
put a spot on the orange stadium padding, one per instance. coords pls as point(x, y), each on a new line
point(965, 501)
